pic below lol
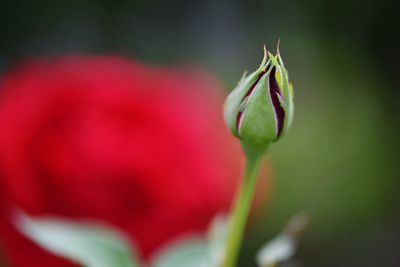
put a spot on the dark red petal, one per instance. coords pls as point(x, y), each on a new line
point(273, 92)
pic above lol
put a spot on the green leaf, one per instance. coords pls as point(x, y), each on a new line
point(90, 244)
point(189, 252)
point(217, 237)
point(196, 251)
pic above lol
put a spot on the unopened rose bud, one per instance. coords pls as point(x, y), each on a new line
point(260, 109)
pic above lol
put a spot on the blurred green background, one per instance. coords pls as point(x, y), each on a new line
point(340, 160)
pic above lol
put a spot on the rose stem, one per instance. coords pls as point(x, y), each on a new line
point(240, 211)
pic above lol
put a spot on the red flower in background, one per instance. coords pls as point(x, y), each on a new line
point(144, 149)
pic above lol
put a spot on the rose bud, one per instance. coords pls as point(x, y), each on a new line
point(260, 109)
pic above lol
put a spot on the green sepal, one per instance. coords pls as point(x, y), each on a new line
point(234, 100)
point(287, 90)
point(258, 125)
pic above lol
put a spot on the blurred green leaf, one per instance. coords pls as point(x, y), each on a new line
point(90, 244)
point(217, 237)
point(196, 251)
point(188, 252)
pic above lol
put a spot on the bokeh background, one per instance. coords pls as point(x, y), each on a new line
point(340, 160)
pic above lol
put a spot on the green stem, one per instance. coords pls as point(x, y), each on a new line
point(240, 211)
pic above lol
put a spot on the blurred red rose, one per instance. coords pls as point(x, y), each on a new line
point(144, 149)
